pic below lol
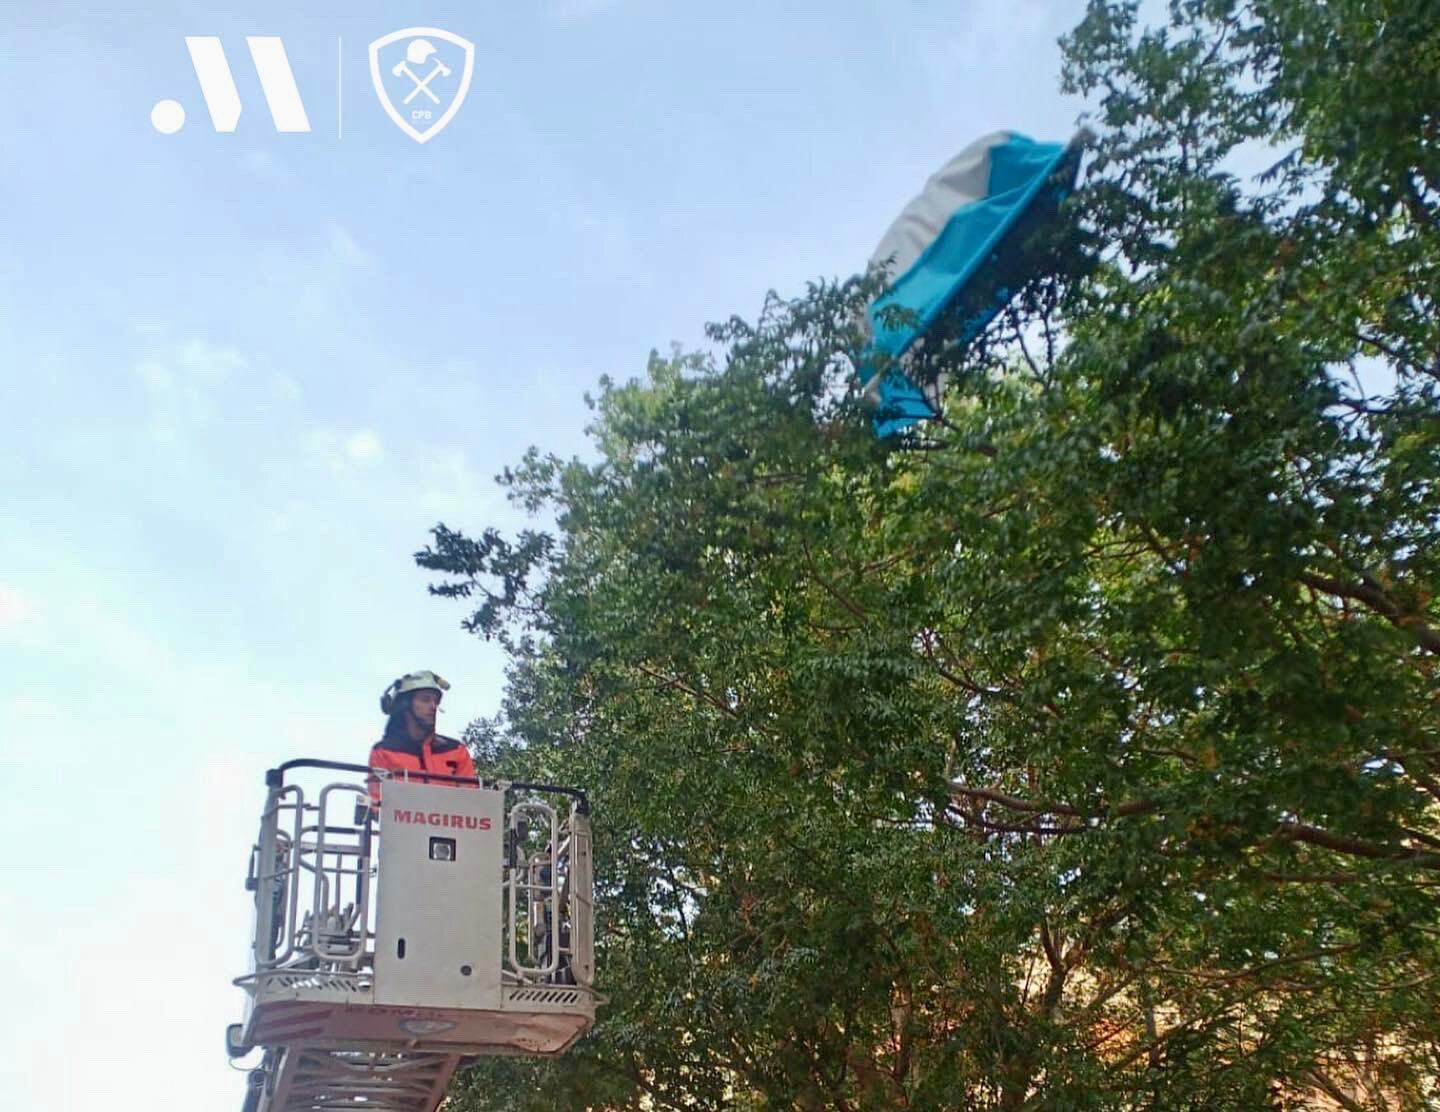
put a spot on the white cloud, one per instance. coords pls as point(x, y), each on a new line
point(136, 880)
point(343, 453)
point(284, 388)
point(31, 716)
point(15, 608)
point(155, 376)
point(346, 248)
point(182, 380)
point(212, 361)
point(364, 446)
point(165, 1026)
point(451, 489)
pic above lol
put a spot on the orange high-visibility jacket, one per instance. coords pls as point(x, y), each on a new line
point(436, 753)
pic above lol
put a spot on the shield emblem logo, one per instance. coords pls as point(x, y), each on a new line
point(421, 75)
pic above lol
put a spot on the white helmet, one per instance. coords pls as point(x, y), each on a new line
point(412, 681)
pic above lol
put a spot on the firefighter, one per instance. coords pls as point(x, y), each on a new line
point(410, 743)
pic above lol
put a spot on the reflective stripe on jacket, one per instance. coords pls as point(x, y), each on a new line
point(439, 754)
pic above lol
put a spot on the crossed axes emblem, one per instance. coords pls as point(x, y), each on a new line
point(418, 53)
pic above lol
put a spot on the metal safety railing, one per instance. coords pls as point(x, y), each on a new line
point(548, 896)
point(314, 877)
point(531, 892)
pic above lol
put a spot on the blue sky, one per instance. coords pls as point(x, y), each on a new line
point(245, 373)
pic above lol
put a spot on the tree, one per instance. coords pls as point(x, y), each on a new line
point(1082, 751)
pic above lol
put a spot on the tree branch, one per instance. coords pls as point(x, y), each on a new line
point(1014, 803)
point(1333, 1091)
point(845, 601)
point(680, 685)
point(1378, 601)
point(1354, 847)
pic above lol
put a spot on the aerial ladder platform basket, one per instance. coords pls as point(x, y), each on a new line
point(394, 943)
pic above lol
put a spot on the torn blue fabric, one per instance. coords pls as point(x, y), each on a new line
point(956, 241)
